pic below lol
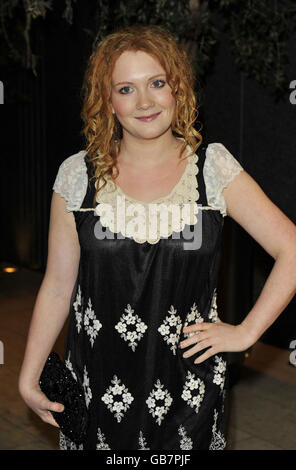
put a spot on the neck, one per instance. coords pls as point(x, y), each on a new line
point(147, 153)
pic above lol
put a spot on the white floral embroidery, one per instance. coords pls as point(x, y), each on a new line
point(68, 364)
point(78, 309)
point(91, 324)
point(213, 315)
point(117, 407)
point(165, 329)
point(185, 441)
point(133, 336)
point(63, 443)
point(193, 317)
point(101, 445)
point(219, 371)
point(87, 389)
point(193, 384)
point(157, 393)
point(66, 444)
point(218, 441)
point(142, 442)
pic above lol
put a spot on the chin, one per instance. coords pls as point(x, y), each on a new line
point(152, 135)
point(156, 132)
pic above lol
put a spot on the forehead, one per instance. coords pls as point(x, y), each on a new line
point(135, 63)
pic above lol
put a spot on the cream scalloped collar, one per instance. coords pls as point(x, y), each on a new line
point(149, 221)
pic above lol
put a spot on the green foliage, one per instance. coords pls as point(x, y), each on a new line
point(193, 28)
point(258, 30)
point(259, 33)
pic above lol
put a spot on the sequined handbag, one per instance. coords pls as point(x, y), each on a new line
point(58, 384)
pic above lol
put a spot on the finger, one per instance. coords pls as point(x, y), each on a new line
point(210, 352)
point(203, 326)
point(47, 417)
point(52, 406)
point(198, 347)
point(195, 338)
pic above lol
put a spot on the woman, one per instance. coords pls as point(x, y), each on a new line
point(145, 339)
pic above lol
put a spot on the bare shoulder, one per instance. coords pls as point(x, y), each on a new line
point(251, 208)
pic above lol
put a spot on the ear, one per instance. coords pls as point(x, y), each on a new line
point(112, 109)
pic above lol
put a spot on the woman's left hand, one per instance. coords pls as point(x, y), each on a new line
point(218, 337)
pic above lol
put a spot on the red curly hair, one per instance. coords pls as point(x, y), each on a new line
point(102, 130)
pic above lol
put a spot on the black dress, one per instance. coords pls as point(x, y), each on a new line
point(129, 306)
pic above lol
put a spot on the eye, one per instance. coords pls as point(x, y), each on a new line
point(162, 82)
point(123, 88)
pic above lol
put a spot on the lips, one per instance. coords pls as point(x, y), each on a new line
point(148, 118)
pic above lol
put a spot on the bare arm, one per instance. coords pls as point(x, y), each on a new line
point(53, 300)
point(249, 206)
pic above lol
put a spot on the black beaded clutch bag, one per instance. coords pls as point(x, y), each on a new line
point(58, 384)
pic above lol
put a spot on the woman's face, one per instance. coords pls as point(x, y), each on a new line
point(140, 89)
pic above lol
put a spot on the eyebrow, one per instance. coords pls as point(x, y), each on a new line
point(131, 83)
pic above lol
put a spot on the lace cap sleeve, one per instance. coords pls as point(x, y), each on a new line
point(71, 180)
point(220, 168)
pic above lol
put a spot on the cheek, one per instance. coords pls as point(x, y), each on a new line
point(167, 99)
point(122, 107)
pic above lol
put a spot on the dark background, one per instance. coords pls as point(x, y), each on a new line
point(41, 126)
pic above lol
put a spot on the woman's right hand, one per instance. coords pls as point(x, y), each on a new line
point(39, 403)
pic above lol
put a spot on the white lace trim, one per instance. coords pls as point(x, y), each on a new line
point(220, 168)
point(71, 181)
point(161, 217)
point(158, 218)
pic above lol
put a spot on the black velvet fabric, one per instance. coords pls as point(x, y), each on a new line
point(151, 278)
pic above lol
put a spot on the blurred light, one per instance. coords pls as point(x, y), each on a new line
point(247, 354)
point(9, 269)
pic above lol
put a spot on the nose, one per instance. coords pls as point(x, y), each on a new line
point(144, 100)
